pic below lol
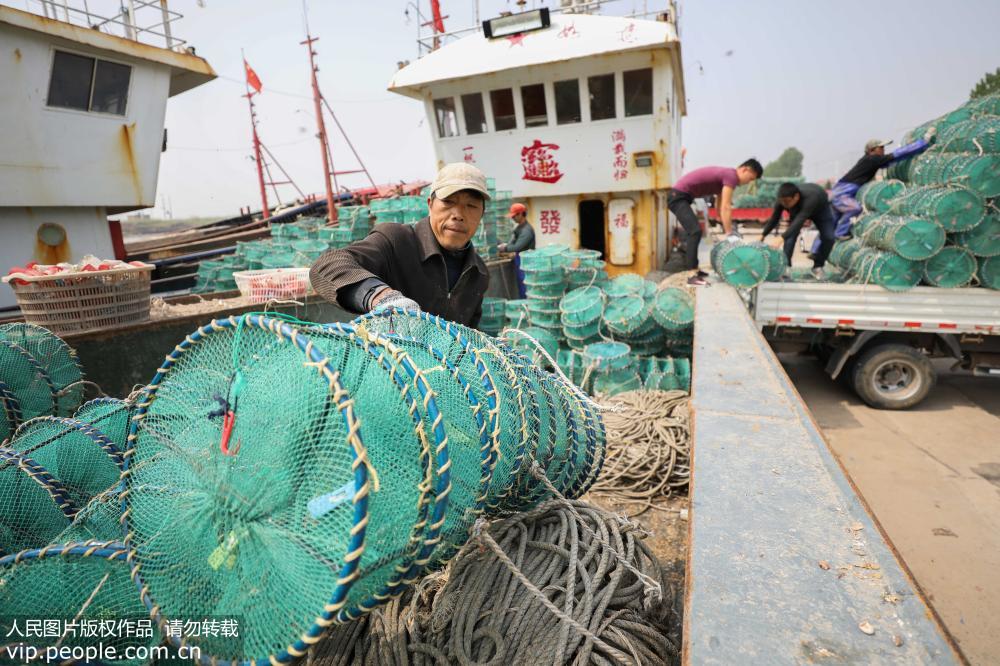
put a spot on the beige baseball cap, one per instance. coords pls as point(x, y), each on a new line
point(459, 176)
point(876, 143)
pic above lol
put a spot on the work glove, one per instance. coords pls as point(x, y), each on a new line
point(930, 134)
point(394, 299)
point(734, 238)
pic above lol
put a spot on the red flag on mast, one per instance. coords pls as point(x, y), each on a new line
point(438, 20)
point(252, 80)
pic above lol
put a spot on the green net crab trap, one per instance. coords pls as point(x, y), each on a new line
point(886, 269)
point(34, 506)
point(627, 284)
point(984, 239)
point(629, 316)
point(582, 306)
point(951, 267)
point(876, 195)
point(82, 458)
point(87, 584)
point(988, 272)
point(953, 207)
point(980, 173)
point(673, 308)
point(913, 238)
point(56, 359)
point(743, 265)
point(777, 263)
point(248, 495)
point(842, 254)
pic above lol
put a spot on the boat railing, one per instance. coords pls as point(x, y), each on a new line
point(146, 21)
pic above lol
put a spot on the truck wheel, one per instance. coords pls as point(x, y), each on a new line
point(892, 376)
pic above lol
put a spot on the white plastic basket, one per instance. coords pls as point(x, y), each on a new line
point(273, 283)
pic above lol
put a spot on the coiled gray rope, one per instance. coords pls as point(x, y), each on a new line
point(485, 608)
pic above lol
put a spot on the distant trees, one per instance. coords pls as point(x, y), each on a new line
point(988, 85)
point(788, 164)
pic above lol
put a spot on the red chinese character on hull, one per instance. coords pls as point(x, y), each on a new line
point(539, 163)
point(621, 221)
point(550, 221)
point(467, 154)
point(620, 164)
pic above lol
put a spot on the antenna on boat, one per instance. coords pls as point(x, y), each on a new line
point(329, 171)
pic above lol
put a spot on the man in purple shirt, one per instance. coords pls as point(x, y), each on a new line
point(704, 182)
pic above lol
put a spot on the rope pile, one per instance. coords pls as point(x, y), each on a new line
point(648, 448)
point(504, 600)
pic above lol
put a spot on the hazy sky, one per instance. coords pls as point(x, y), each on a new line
point(822, 75)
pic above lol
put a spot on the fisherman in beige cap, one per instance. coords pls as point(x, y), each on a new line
point(430, 266)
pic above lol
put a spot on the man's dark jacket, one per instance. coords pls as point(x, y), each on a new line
point(409, 260)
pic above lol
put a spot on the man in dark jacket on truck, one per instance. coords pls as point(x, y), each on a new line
point(842, 196)
point(431, 266)
point(523, 239)
point(806, 201)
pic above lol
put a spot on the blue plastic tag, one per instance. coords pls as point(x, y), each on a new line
point(324, 504)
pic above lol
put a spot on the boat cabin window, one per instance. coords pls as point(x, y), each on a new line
point(567, 102)
point(503, 109)
point(447, 119)
point(638, 85)
point(475, 113)
point(535, 112)
point(88, 84)
point(602, 96)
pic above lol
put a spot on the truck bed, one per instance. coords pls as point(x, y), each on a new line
point(870, 307)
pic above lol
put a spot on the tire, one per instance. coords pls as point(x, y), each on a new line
point(892, 376)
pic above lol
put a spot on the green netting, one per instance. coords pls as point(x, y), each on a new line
point(886, 269)
point(469, 443)
point(86, 584)
point(56, 357)
point(942, 123)
point(980, 173)
point(85, 462)
point(842, 254)
point(111, 416)
point(951, 267)
point(777, 262)
point(673, 309)
point(648, 343)
point(913, 238)
point(10, 411)
point(984, 239)
point(743, 265)
point(486, 364)
point(628, 315)
point(582, 306)
point(27, 379)
point(667, 374)
point(876, 195)
point(900, 170)
point(34, 508)
point(548, 342)
point(613, 383)
point(550, 258)
point(977, 135)
point(988, 104)
point(626, 284)
point(955, 208)
point(609, 356)
point(988, 272)
point(244, 495)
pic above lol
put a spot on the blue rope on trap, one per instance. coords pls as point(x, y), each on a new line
point(411, 568)
point(484, 438)
point(283, 330)
point(108, 550)
point(41, 476)
point(103, 441)
point(11, 406)
point(443, 486)
point(451, 329)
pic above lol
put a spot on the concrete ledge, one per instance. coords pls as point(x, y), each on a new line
point(785, 564)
